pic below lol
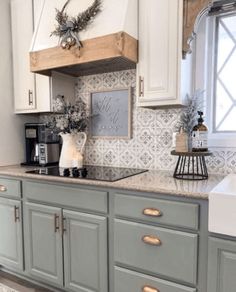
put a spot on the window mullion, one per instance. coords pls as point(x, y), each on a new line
point(228, 31)
point(225, 88)
point(223, 119)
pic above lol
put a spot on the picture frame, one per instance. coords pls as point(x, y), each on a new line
point(111, 113)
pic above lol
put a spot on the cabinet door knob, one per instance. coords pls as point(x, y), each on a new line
point(152, 240)
point(152, 212)
point(3, 189)
point(16, 213)
point(56, 223)
point(149, 289)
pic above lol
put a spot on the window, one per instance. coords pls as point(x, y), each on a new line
point(215, 72)
point(224, 91)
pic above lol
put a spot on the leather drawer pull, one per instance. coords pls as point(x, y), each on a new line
point(152, 240)
point(3, 189)
point(152, 212)
point(149, 289)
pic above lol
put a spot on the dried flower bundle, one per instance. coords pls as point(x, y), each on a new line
point(68, 118)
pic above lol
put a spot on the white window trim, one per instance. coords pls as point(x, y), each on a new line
point(204, 76)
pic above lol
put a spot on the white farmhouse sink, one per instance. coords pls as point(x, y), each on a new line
point(222, 207)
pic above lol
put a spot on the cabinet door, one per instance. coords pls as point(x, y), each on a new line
point(160, 39)
point(22, 31)
point(221, 265)
point(85, 252)
point(11, 246)
point(43, 243)
point(32, 92)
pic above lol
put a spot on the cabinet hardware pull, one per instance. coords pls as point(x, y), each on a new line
point(141, 88)
point(30, 95)
point(16, 213)
point(151, 239)
point(3, 189)
point(56, 223)
point(152, 212)
point(149, 289)
point(63, 225)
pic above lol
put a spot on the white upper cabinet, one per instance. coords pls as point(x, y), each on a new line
point(22, 30)
point(33, 93)
point(160, 67)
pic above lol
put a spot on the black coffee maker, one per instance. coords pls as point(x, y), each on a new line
point(41, 144)
point(32, 139)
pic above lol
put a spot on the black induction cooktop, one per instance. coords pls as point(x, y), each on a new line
point(102, 173)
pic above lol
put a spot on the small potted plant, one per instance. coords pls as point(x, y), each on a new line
point(188, 117)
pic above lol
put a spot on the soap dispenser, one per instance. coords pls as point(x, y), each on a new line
point(200, 135)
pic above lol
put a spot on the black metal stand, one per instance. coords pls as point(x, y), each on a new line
point(191, 165)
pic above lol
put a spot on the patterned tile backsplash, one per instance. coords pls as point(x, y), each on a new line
point(152, 130)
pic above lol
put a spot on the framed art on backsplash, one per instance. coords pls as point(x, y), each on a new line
point(111, 114)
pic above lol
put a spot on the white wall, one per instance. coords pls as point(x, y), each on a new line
point(11, 126)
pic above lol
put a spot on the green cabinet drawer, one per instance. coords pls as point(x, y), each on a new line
point(126, 280)
point(66, 196)
point(10, 188)
point(157, 211)
point(157, 250)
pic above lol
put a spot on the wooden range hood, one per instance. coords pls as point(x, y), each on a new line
point(113, 52)
point(109, 44)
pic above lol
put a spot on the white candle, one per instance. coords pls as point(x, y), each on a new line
point(77, 161)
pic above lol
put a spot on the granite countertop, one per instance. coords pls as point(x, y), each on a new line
point(161, 182)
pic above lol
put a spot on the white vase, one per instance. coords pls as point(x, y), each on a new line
point(72, 150)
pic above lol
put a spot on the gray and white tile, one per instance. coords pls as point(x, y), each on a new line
point(152, 130)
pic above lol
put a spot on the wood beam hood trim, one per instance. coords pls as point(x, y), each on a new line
point(118, 49)
point(193, 11)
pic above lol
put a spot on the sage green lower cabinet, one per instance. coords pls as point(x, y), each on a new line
point(11, 243)
point(130, 281)
point(221, 265)
point(55, 236)
point(81, 238)
point(85, 252)
point(43, 243)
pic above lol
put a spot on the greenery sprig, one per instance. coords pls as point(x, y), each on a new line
point(68, 28)
point(188, 118)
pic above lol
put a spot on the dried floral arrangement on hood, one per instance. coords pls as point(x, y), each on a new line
point(67, 117)
point(68, 27)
